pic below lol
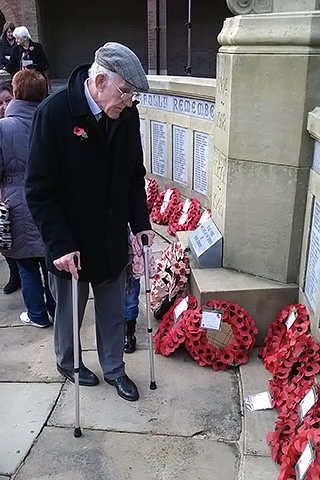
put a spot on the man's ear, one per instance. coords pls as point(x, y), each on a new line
point(100, 81)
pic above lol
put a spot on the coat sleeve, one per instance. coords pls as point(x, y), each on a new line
point(3, 60)
point(13, 65)
point(42, 186)
point(138, 213)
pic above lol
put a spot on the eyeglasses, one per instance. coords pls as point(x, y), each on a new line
point(125, 96)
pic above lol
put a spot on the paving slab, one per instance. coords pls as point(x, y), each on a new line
point(24, 408)
point(121, 456)
point(190, 400)
point(257, 424)
point(261, 468)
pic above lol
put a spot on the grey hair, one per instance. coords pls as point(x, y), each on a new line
point(21, 32)
point(95, 69)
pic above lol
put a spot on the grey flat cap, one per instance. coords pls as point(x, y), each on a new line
point(120, 59)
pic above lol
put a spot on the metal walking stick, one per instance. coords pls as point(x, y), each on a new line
point(144, 240)
point(76, 356)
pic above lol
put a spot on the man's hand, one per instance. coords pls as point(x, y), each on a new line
point(67, 263)
point(150, 234)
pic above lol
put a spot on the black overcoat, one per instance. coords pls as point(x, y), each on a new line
point(82, 192)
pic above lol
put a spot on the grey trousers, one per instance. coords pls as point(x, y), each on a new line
point(109, 302)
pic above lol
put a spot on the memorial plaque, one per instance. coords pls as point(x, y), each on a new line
point(159, 148)
point(312, 282)
point(180, 155)
point(200, 159)
point(316, 157)
point(143, 136)
point(205, 244)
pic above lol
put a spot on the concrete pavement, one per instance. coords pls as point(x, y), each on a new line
point(194, 426)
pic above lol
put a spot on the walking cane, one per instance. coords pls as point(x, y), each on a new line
point(144, 240)
point(75, 316)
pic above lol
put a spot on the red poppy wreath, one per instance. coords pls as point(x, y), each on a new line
point(171, 275)
point(165, 205)
point(291, 323)
point(171, 331)
point(185, 216)
point(228, 347)
point(151, 191)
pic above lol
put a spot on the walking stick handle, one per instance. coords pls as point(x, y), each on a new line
point(144, 239)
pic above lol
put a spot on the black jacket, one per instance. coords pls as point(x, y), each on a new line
point(36, 54)
point(82, 192)
point(5, 50)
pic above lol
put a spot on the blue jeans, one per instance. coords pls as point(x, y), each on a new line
point(132, 299)
point(37, 297)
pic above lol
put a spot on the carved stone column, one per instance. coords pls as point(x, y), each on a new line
point(267, 80)
point(244, 7)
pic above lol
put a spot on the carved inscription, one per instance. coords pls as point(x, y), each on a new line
point(159, 148)
point(222, 100)
point(200, 162)
point(185, 106)
point(180, 154)
point(219, 181)
point(312, 283)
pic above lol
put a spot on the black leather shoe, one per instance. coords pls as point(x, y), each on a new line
point(86, 377)
point(12, 286)
point(125, 387)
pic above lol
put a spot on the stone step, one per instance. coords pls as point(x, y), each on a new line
point(262, 298)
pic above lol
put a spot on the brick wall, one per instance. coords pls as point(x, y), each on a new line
point(71, 31)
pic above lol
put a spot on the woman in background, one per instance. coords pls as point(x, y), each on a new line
point(7, 42)
point(29, 89)
point(26, 54)
point(14, 282)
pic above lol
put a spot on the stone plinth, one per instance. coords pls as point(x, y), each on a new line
point(263, 299)
point(267, 80)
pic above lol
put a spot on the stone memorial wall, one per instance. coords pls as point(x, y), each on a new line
point(177, 131)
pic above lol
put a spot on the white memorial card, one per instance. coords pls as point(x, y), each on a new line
point(166, 200)
point(307, 402)
point(184, 212)
point(180, 308)
point(211, 319)
point(259, 401)
point(305, 460)
point(293, 315)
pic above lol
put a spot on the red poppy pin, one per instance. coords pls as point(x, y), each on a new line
point(80, 132)
point(31, 48)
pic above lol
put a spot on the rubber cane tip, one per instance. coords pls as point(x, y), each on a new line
point(153, 386)
point(77, 432)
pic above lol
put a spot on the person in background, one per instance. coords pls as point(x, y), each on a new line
point(14, 282)
point(26, 54)
point(7, 42)
point(29, 89)
point(84, 184)
point(134, 271)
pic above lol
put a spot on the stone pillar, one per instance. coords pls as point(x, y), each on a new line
point(157, 35)
point(267, 80)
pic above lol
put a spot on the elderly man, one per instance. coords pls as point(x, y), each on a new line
point(85, 183)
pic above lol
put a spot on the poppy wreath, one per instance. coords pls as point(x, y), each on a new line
point(171, 275)
point(236, 352)
point(185, 216)
point(291, 439)
point(279, 337)
point(164, 206)
point(151, 191)
point(298, 366)
point(171, 333)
